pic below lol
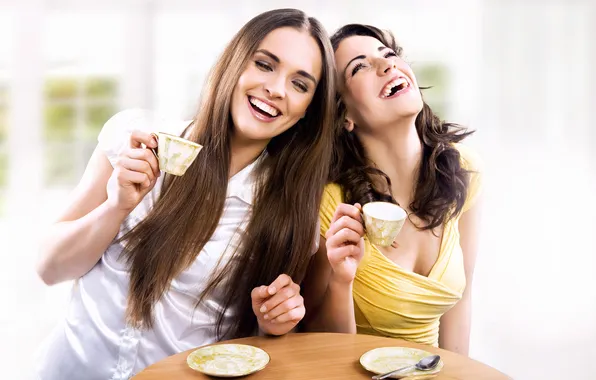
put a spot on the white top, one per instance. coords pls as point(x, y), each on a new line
point(93, 342)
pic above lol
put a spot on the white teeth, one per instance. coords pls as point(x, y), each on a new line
point(394, 83)
point(264, 106)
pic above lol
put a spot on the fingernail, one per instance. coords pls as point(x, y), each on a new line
point(272, 290)
point(266, 316)
point(263, 309)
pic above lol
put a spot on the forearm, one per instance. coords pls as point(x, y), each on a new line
point(71, 248)
point(454, 333)
point(336, 312)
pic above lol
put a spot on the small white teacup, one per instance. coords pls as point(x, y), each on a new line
point(383, 221)
point(175, 154)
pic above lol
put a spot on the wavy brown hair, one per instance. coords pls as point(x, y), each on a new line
point(290, 177)
point(442, 182)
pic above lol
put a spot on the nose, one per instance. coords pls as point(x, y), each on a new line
point(385, 66)
point(275, 87)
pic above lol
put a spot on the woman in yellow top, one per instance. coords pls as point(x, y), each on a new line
point(393, 148)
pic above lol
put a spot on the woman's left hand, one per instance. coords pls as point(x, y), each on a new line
point(278, 307)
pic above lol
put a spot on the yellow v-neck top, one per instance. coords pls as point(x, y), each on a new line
point(390, 301)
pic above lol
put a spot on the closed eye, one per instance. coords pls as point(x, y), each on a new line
point(264, 66)
point(301, 86)
point(356, 68)
point(390, 54)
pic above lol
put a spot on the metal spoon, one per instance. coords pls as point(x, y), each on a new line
point(425, 364)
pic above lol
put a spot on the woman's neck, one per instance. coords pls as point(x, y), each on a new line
point(243, 153)
point(397, 152)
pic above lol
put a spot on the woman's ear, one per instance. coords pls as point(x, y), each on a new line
point(348, 124)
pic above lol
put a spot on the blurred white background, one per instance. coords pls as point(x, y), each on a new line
point(519, 72)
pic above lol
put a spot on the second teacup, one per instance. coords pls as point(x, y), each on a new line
point(383, 221)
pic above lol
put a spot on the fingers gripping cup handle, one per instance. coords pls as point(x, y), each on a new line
point(154, 150)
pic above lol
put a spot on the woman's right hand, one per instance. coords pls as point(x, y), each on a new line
point(345, 242)
point(135, 173)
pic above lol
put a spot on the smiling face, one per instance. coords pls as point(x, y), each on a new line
point(376, 85)
point(277, 85)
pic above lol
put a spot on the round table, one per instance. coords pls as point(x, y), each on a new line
point(312, 356)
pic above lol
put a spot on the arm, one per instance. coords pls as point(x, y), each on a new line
point(454, 331)
point(328, 287)
point(76, 241)
point(329, 303)
point(100, 202)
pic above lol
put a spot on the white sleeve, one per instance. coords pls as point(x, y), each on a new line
point(115, 134)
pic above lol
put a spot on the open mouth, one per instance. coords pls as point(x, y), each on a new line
point(394, 87)
point(262, 110)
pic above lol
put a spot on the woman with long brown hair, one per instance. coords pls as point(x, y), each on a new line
point(393, 148)
point(164, 263)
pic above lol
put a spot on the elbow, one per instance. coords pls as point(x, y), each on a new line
point(45, 274)
point(347, 328)
point(43, 267)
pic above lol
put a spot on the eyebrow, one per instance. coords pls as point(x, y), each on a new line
point(380, 48)
point(277, 60)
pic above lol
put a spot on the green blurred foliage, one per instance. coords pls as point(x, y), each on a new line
point(95, 118)
point(60, 121)
point(66, 141)
point(3, 112)
point(436, 76)
point(3, 93)
point(60, 167)
point(101, 87)
point(3, 151)
point(65, 88)
point(62, 147)
point(3, 122)
point(3, 165)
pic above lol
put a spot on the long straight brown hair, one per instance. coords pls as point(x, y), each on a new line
point(290, 177)
point(442, 182)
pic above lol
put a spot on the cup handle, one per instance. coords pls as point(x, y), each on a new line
point(154, 150)
point(363, 224)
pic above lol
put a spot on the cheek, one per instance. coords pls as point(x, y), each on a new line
point(300, 105)
point(236, 101)
point(405, 68)
point(241, 82)
point(250, 77)
point(359, 93)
